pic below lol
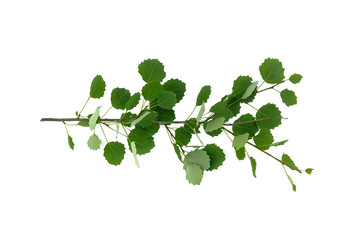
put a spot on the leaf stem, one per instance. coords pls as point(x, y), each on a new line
point(83, 107)
point(191, 113)
point(107, 112)
point(104, 134)
point(66, 129)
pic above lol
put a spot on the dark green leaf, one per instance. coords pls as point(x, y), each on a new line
point(148, 119)
point(166, 100)
point(216, 155)
point(133, 101)
point(119, 98)
point(264, 139)
point(98, 87)
point(220, 109)
point(295, 78)
point(271, 116)
point(246, 124)
point(182, 136)
point(239, 141)
point(198, 157)
point(203, 95)
point(137, 135)
point(212, 133)
point(215, 124)
point(191, 126)
point(128, 116)
point(114, 153)
point(152, 70)
point(234, 106)
point(165, 114)
point(70, 142)
point(240, 153)
point(309, 170)
point(94, 143)
point(140, 118)
point(272, 71)
point(253, 165)
point(194, 174)
point(151, 90)
point(83, 123)
point(177, 151)
point(144, 148)
point(176, 86)
point(241, 84)
point(288, 97)
point(289, 162)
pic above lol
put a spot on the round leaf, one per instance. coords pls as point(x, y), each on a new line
point(295, 78)
point(182, 136)
point(271, 116)
point(241, 84)
point(94, 142)
point(114, 152)
point(264, 139)
point(288, 97)
point(152, 70)
point(272, 71)
point(119, 98)
point(166, 100)
point(245, 124)
point(98, 87)
point(194, 174)
point(176, 86)
point(151, 90)
point(198, 157)
point(216, 155)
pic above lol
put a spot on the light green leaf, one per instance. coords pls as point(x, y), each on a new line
point(152, 70)
point(176, 86)
point(151, 90)
point(215, 124)
point(117, 130)
point(94, 142)
point(295, 78)
point(264, 139)
point(271, 116)
point(194, 174)
point(119, 98)
point(250, 90)
point(291, 182)
point(289, 162)
point(216, 155)
point(198, 157)
point(201, 113)
point(203, 95)
point(133, 101)
point(139, 118)
point(309, 170)
point(93, 119)
point(70, 142)
point(134, 151)
point(98, 87)
point(240, 141)
point(253, 165)
point(166, 100)
point(245, 124)
point(114, 152)
point(182, 136)
point(272, 71)
point(288, 97)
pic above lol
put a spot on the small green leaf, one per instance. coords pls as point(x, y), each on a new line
point(240, 141)
point(245, 124)
point(194, 174)
point(250, 90)
point(70, 142)
point(272, 71)
point(268, 116)
point(295, 78)
point(152, 70)
point(114, 152)
point(83, 123)
point(309, 170)
point(240, 153)
point(289, 162)
point(139, 119)
point(201, 113)
point(98, 87)
point(166, 100)
point(279, 143)
point(198, 157)
point(264, 139)
point(176, 86)
point(215, 124)
point(151, 90)
point(134, 151)
point(203, 95)
point(253, 165)
point(94, 143)
point(182, 136)
point(288, 97)
point(177, 151)
point(93, 119)
point(119, 98)
point(216, 155)
point(133, 101)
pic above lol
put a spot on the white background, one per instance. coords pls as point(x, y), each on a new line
point(51, 50)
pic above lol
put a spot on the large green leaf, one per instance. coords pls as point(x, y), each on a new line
point(268, 116)
point(182, 136)
point(114, 152)
point(176, 86)
point(245, 124)
point(133, 101)
point(241, 84)
point(295, 78)
point(144, 148)
point(98, 87)
point(198, 157)
point(151, 90)
point(288, 97)
point(239, 141)
point(215, 124)
point(166, 100)
point(94, 142)
point(194, 174)
point(264, 139)
point(152, 70)
point(165, 114)
point(119, 98)
point(220, 109)
point(272, 71)
point(203, 95)
point(216, 155)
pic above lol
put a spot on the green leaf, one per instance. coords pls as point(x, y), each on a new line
point(289, 162)
point(70, 142)
point(288, 97)
point(139, 119)
point(134, 152)
point(264, 139)
point(272, 71)
point(133, 101)
point(220, 109)
point(138, 135)
point(114, 152)
point(291, 182)
point(166, 100)
point(215, 124)
point(216, 155)
point(271, 116)
point(309, 170)
point(253, 165)
point(152, 70)
point(295, 78)
point(245, 124)
point(98, 87)
point(279, 143)
point(241, 84)
point(128, 116)
point(250, 90)
point(176, 86)
point(201, 113)
point(177, 151)
point(234, 105)
point(146, 147)
point(239, 141)
point(83, 123)
point(212, 133)
point(151, 90)
point(182, 136)
point(94, 142)
point(198, 157)
point(192, 126)
point(194, 174)
point(93, 119)
point(119, 98)
point(148, 120)
point(165, 114)
point(240, 153)
point(203, 95)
